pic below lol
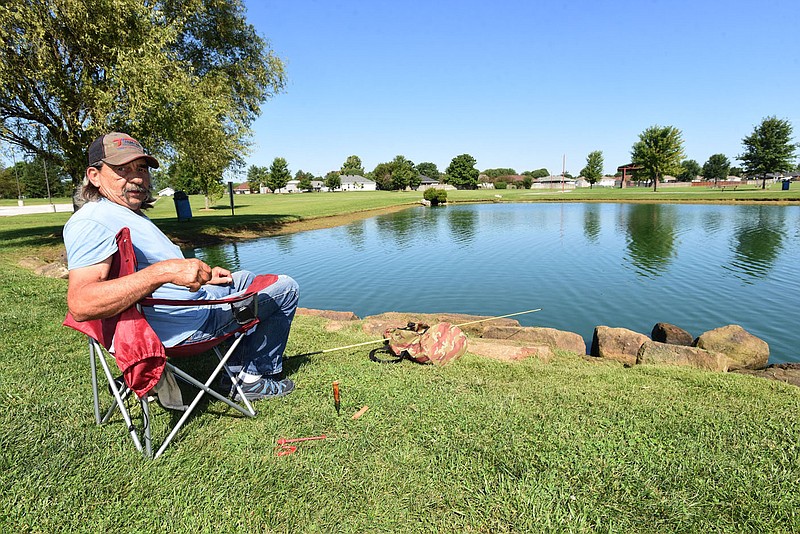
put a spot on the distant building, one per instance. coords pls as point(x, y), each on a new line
point(166, 192)
point(426, 182)
point(356, 183)
point(242, 189)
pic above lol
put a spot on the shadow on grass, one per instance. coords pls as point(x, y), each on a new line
point(32, 236)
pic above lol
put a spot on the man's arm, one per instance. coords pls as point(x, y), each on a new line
point(91, 295)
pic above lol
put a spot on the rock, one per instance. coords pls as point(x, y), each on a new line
point(329, 314)
point(619, 344)
point(669, 333)
point(555, 339)
point(505, 351)
point(744, 350)
point(653, 352)
point(788, 373)
point(53, 270)
point(377, 324)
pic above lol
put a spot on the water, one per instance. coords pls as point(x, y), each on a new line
point(621, 265)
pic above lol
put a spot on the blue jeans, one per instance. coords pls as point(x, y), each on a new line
point(261, 351)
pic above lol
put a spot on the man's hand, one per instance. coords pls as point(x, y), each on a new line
point(190, 273)
point(220, 276)
point(91, 295)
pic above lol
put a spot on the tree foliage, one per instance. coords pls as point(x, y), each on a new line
point(496, 173)
point(257, 175)
point(333, 180)
point(278, 175)
point(32, 179)
point(352, 167)
point(658, 152)
point(185, 77)
point(462, 172)
point(426, 168)
point(594, 167)
point(769, 149)
point(396, 175)
point(716, 168)
point(538, 173)
point(304, 180)
point(690, 169)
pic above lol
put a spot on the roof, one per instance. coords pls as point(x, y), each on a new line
point(353, 179)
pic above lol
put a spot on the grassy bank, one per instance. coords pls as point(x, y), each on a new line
point(478, 446)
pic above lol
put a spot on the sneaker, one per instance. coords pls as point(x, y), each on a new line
point(263, 388)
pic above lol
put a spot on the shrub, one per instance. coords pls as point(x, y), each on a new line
point(435, 196)
point(500, 185)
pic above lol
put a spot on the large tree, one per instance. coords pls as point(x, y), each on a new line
point(186, 77)
point(690, 169)
point(594, 167)
point(279, 174)
point(497, 173)
point(769, 149)
point(352, 167)
point(658, 152)
point(538, 173)
point(462, 172)
point(426, 168)
point(396, 174)
point(716, 168)
point(257, 176)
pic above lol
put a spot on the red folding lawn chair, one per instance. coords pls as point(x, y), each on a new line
point(145, 362)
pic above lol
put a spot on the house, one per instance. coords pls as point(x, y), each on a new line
point(554, 182)
point(426, 182)
point(292, 186)
point(356, 183)
point(166, 192)
point(242, 189)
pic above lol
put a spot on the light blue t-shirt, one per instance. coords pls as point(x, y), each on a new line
point(90, 238)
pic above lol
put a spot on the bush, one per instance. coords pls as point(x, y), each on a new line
point(435, 196)
point(500, 185)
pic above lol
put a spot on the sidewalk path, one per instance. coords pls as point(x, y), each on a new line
point(39, 208)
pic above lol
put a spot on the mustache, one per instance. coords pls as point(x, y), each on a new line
point(133, 188)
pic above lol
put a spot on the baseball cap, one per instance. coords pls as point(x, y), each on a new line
point(117, 148)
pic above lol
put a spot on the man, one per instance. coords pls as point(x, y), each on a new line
point(116, 188)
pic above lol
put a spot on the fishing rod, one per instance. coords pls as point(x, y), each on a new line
point(324, 351)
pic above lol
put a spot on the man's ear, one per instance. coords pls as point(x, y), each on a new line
point(93, 175)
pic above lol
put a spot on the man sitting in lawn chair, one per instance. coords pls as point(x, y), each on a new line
point(116, 188)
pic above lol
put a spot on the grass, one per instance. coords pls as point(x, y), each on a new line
point(478, 446)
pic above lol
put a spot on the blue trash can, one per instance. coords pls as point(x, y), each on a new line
point(785, 185)
point(182, 206)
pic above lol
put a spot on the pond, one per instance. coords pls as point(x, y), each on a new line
point(585, 264)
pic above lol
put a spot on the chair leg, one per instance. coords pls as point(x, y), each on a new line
point(95, 394)
point(118, 396)
point(148, 441)
point(204, 388)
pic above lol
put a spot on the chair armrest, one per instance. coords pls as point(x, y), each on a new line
point(244, 306)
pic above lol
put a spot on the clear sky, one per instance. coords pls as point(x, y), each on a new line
point(521, 84)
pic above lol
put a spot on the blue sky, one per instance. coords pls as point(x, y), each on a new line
point(521, 84)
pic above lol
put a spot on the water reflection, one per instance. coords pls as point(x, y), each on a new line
point(591, 222)
point(355, 233)
point(463, 224)
point(399, 228)
point(221, 255)
point(758, 240)
point(651, 237)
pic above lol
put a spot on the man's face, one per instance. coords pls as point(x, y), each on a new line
point(127, 185)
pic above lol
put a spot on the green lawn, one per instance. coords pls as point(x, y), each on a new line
point(478, 446)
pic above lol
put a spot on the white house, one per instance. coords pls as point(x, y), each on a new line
point(166, 192)
point(357, 183)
